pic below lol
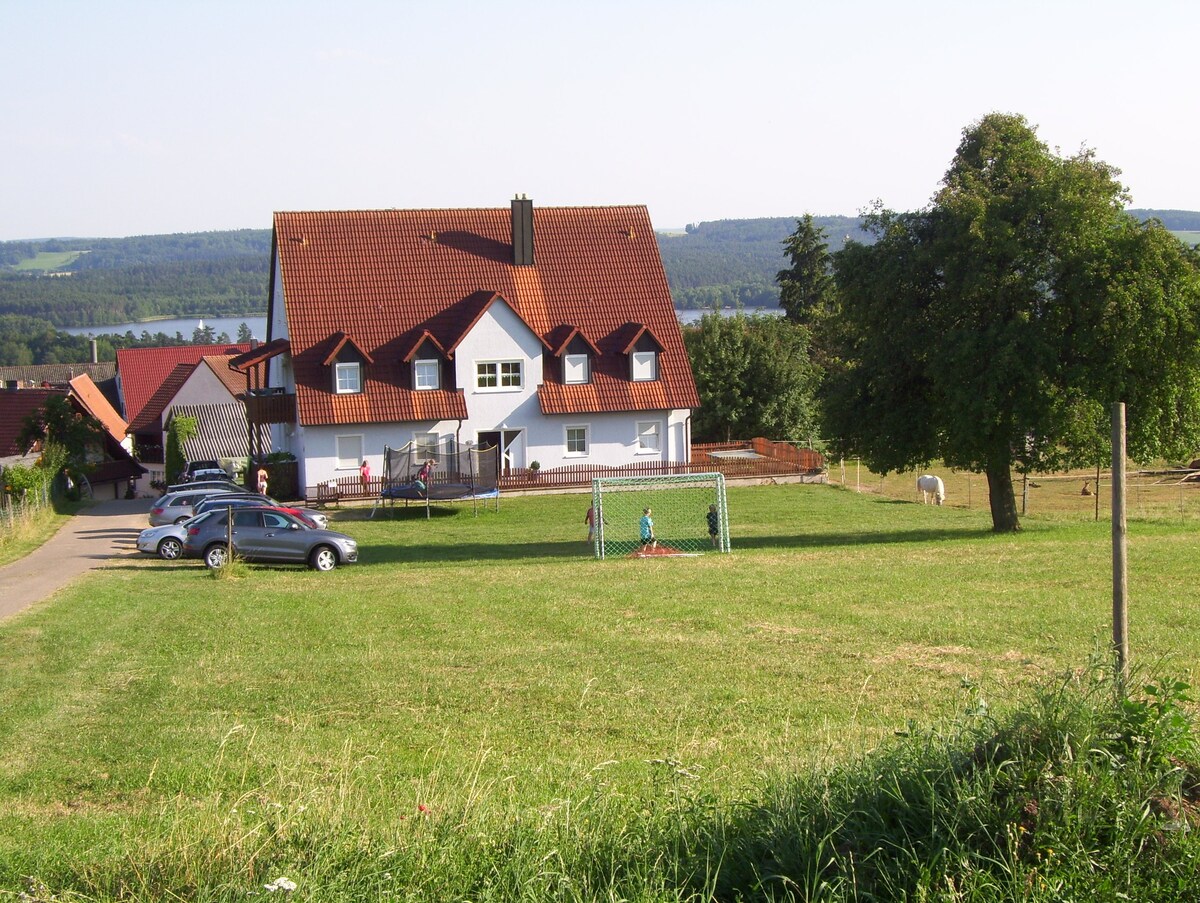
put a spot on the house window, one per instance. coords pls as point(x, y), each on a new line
point(577, 441)
point(643, 365)
point(427, 374)
point(425, 446)
point(347, 378)
point(648, 438)
point(576, 369)
point(499, 375)
point(349, 450)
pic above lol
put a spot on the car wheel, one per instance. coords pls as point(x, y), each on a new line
point(180, 520)
point(216, 556)
point(324, 558)
point(170, 548)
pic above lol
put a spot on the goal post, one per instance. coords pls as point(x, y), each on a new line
point(680, 508)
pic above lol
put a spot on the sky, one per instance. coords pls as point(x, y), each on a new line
point(172, 116)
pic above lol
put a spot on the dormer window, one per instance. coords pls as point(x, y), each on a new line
point(427, 374)
point(643, 365)
point(576, 368)
point(346, 360)
point(347, 377)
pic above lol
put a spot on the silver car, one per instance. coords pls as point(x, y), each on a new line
point(253, 499)
point(266, 534)
point(166, 541)
point(176, 507)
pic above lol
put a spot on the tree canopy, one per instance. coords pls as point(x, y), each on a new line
point(754, 377)
point(994, 328)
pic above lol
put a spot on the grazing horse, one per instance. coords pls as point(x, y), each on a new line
point(928, 484)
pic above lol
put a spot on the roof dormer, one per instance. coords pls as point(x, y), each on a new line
point(643, 349)
point(348, 363)
point(575, 353)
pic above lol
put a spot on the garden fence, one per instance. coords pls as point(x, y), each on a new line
point(15, 512)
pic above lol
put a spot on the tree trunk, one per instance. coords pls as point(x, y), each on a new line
point(1002, 498)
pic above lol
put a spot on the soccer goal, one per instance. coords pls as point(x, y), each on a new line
point(687, 515)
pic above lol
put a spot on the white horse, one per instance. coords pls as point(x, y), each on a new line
point(928, 484)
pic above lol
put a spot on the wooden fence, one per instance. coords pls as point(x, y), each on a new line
point(773, 459)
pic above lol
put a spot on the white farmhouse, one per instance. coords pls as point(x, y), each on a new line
point(548, 333)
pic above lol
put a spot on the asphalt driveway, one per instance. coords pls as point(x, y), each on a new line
point(102, 534)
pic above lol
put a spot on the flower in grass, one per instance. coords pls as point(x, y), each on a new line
point(421, 807)
point(287, 885)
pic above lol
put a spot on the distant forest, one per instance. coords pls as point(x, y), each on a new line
point(72, 282)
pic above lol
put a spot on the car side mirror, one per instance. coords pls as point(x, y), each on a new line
point(293, 526)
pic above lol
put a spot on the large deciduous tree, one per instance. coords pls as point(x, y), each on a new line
point(994, 328)
point(754, 377)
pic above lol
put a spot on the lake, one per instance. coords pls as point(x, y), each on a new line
point(184, 325)
point(258, 325)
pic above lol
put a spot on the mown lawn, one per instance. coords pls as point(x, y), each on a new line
point(165, 732)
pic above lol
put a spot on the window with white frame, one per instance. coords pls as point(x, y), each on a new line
point(577, 441)
point(643, 365)
point(349, 450)
point(425, 446)
point(427, 374)
point(347, 377)
point(576, 368)
point(648, 437)
point(499, 375)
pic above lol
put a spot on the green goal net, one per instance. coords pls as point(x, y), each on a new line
point(683, 514)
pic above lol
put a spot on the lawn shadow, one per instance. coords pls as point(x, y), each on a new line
point(848, 538)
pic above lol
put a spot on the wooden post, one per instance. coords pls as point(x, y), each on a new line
point(1097, 492)
point(1119, 546)
point(1024, 494)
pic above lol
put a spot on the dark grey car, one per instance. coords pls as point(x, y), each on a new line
point(263, 534)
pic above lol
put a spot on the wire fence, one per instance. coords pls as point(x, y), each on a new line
point(18, 512)
point(1152, 494)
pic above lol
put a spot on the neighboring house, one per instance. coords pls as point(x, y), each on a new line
point(221, 431)
point(110, 466)
point(152, 379)
point(550, 333)
point(58, 376)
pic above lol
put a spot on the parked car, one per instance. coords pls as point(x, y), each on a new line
point(193, 466)
point(253, 499)
point(225, 485)
point(166, 541)
point(265, 534)
point(175, 507)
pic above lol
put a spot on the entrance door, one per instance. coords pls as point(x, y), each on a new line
point(512, 447)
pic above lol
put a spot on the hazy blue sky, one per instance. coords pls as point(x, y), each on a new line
point(126, 118)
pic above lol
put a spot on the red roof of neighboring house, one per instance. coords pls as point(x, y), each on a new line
point(150, 416)
point(142, 370)
point(93, 400)
point(15, 406)
point(378, 281)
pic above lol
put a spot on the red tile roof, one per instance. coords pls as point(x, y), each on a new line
point(142, 370)
point(15, 406)
point(150, 416)
point(94, 402)
point(383, 278)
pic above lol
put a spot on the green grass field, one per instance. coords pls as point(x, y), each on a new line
point(48, 260)
point(482, 678)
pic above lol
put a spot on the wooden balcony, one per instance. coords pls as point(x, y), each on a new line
point(275, 408)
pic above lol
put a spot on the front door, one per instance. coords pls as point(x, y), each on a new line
point(512, 447)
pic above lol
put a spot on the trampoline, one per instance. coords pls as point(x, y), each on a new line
point(457, 475)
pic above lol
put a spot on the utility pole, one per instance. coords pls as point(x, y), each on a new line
point(1119, 546)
